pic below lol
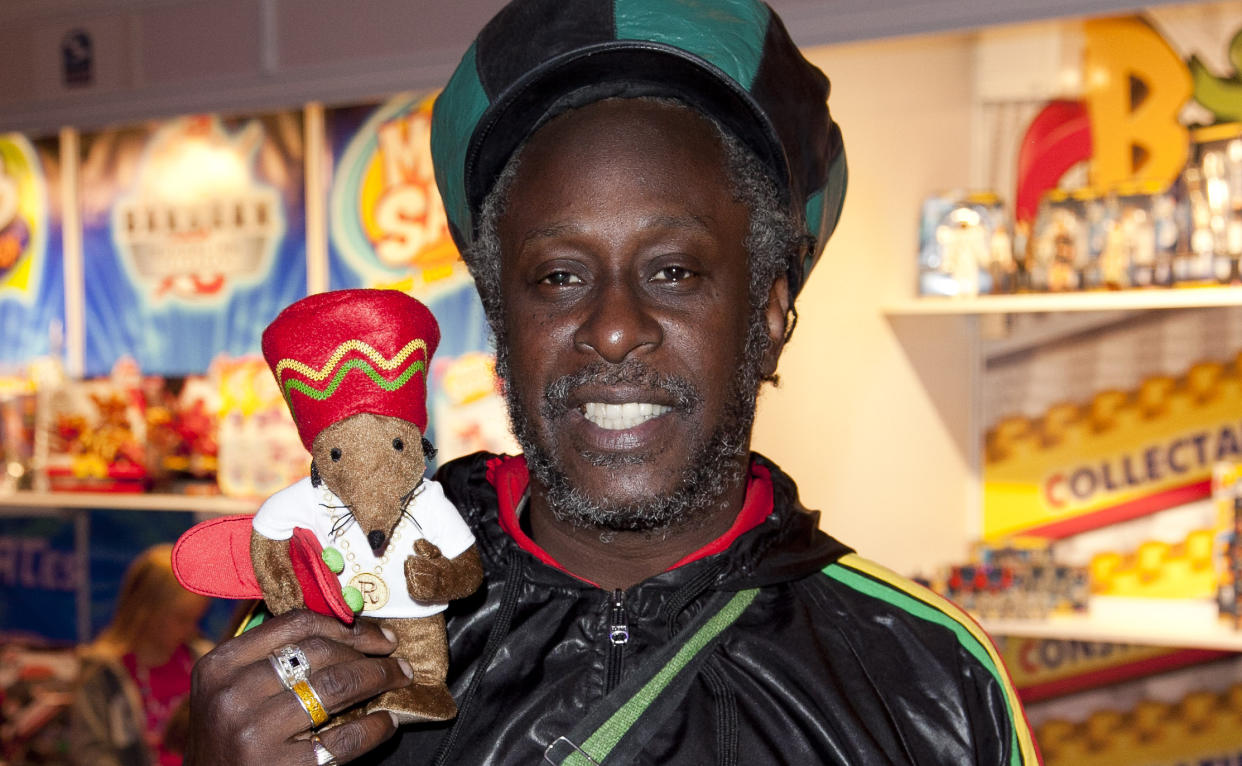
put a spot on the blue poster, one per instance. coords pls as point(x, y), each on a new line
point(32, 280)
point(194, 238)
point(117, 538)
point(387, 229)
point(39, 577)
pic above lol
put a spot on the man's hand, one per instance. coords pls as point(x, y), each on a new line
point(240, 712)
point(431, 577)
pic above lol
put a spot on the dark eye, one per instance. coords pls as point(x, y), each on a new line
point(335, 454)
point(397, 444)
point(561, 279)
point(672, 274)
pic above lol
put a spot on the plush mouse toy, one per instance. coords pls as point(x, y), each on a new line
point(365, 533)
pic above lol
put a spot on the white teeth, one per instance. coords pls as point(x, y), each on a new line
point(618, 417)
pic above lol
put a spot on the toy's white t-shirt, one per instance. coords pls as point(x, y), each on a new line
point(319, 510)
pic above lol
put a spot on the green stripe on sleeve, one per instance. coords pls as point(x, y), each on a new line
point(917, 608)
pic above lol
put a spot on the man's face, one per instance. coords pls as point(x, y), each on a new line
point(624, 285)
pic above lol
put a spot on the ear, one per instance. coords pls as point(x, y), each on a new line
point(776, 316)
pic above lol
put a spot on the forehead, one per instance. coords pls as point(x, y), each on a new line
point(640, 151)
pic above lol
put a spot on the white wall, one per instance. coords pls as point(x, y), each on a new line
point(871, 418)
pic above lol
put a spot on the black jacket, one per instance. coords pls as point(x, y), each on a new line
point(836, 661)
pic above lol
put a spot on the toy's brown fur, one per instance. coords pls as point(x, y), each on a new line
point(372, 463)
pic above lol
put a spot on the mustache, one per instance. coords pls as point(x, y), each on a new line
point(683, 396)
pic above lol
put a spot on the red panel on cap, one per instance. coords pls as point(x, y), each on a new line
point(341, 353)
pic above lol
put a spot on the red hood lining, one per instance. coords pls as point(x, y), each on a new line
point(509, 476)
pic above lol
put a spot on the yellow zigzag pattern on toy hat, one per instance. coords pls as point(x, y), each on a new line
point(360, 346)
point(341, 351)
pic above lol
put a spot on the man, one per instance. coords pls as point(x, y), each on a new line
point(640, 189)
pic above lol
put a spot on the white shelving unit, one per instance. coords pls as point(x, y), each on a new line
point(1153, 622)
point(1191, 624)
point(1125, 300)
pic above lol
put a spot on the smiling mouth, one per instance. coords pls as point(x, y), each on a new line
point(619, 417)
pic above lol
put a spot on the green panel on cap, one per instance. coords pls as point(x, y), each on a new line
point(815, 213)
point(727, 33)
point(451, 130)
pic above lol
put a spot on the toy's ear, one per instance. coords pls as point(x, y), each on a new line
point(429, 450)
point(314, 477)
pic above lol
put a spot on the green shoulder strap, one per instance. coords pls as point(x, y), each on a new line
point(608, 733)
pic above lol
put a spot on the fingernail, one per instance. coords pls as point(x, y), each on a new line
point(393, 716)
point(405, 667)
point(388, 634)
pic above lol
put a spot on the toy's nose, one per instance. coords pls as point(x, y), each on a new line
point(376, 540)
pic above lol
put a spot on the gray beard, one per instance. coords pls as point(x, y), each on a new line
point(714, 466)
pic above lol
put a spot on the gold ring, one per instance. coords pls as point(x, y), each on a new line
point(311, 703)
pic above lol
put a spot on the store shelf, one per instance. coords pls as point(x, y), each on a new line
point(1123, 300)
point(1191, 624)
point(126, 501)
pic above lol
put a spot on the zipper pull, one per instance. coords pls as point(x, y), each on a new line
point(618, 631)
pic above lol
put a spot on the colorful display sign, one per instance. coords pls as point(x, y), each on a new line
point(1128, 125)
point(194, 238)
point(1042, 668)
point(1118, 457)
point(32, 287)
point(387, 229)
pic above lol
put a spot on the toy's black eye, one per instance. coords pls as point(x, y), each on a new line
point(397, 444)
point(335, 454)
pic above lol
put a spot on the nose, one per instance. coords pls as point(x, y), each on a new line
point(376, 539)
point(619, 323)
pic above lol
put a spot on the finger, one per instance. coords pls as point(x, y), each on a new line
point(320, 653)
point(342, 686)
point(349, 741)
point(293, 627)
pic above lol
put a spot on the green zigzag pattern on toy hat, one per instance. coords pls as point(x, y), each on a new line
point(732, 59)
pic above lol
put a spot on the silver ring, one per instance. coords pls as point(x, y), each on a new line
point(323, 756)
point(290, 664)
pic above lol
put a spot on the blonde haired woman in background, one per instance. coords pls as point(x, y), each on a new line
point(136, 674)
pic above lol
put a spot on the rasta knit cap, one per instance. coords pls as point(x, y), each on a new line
point(346, 352)
point(730, 59)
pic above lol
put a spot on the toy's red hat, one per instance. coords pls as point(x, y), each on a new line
point(346, 352)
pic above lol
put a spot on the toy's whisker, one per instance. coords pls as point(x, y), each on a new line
point(405, 514)
point(341, 523)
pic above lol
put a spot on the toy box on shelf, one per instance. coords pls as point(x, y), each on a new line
point(1227, 495)
point(182, 418)
point(260, 451)
point(1018, 579)
point(1133, 235)
point(17, 430)
point(1214, 193)
point(965, 246)
point(96, 439)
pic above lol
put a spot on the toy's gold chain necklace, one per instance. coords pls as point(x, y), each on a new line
point(368, 588)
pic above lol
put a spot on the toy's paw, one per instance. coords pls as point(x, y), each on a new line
point(417, 702)
point(424, 578)
point(427, 549)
